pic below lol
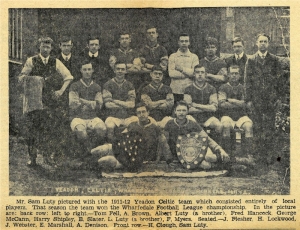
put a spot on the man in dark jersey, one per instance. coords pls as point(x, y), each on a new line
point(183, 126)
point(203, 103)
point(157, 96)
point(215, 67)
point(45, 123)
point(233, 112)
point(155, 146)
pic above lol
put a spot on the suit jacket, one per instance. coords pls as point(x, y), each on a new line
point(241, 63)
point(102, 70)
point(73, 66)
point(263, 82)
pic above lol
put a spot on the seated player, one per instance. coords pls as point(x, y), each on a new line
point(155, 146)
point(232, 109)
point(158, 97)
point(183, 126)
point(119, 98)
point(203, 102)
point(215, 67)
point(85, 99)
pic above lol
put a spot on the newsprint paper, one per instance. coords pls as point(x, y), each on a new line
point(67, 191)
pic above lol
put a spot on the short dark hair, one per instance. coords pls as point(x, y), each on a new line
point(124, 33)
point(263, 34)
point(92, 37)
point(211, 41)
point(183, 103)
point(183, 35)
point(85, 62)
point(46, 40)
point(234, 67)
point(148, 27)
point(141, 104)
point(65, 39)
point(119, 62)
point(199, 66)
point(157, 68)
point(237, 39)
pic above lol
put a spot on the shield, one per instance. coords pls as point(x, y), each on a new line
point(191, 149)
point(130, 150)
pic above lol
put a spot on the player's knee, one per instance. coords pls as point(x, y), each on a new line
point(248, 128)
point(80, 132)
point(110, 124)
point(107, 163)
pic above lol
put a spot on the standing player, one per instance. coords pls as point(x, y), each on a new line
point(232, 109)
point(119, 98)
point(85, 99)
point(215, 67)
point(239, 58)
point(203, 103)
point(181, 67)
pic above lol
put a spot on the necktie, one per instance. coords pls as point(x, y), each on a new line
point(93, 56)
point(67, 59)
point(263, 57)
point(238, 57)
point(45, 61)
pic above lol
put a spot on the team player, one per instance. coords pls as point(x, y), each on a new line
point(203, 103)
point(156, 144)
point(85, 99)
point(183, 126)
point(215, 67)
point(239, 57)
point(119, 98)
point(181, 67)
point(232, 109)
point(157, 96)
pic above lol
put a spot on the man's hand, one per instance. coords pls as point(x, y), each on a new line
point(109, 99)
point(249, 107)
point(224, 156)
point(58, 93)
point(21, 78)
point(148, 66)
point(178, 68)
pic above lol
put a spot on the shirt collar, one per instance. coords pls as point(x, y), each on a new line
point(213, 60)
point(125, 51)
point(153, 47)
point(240, 55)
point(66, 56)
point(260, 53)
point(91, 54)
point(47, 58)
point(187, 53)
point(154, 87)
point(86, 84)
point(201, 88)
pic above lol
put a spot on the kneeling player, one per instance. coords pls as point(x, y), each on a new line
point(232, 106)
point(180, 127)
point(85, 99)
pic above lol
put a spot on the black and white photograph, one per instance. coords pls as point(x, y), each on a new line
point(190, 101)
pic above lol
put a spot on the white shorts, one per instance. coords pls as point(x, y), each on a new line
point(87, 123)
point(237, 123)
point(210, 120)
point(118, 121)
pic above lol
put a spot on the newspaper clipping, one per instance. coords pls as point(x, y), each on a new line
point(149, 115)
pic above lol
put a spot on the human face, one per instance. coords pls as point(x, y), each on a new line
point(152, 35)
point(234, 75)
point(200, 75)
point(184, 42)
point(125, 41)
point(181, 111)
point(238, 47)
point(87, 71)
point(45, 49)
point(262, 43)
point(156, 76)
point(142, 114)
point(211, 50)
point(93, 46)
point(120, 71)
point(66, 47)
